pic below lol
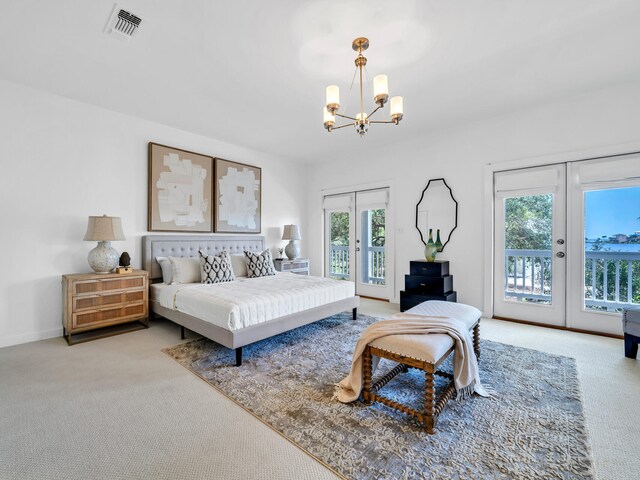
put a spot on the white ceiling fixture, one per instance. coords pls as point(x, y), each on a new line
point(122, 24)
point(380, 96)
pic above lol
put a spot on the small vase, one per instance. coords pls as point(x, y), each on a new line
point(438, 242)
point(430, 249)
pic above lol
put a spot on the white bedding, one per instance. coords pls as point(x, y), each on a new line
point(250, 301)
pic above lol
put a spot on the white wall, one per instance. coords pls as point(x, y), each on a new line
point(61, 162)
point(564, 129)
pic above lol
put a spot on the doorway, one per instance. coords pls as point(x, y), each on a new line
point(359, 241)
point(567, 243)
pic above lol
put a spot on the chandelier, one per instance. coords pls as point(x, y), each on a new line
point(380, 96)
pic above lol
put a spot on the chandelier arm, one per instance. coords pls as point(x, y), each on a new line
point(383, 121)
point(342, 126)
point(346, 116)
point(377, 108)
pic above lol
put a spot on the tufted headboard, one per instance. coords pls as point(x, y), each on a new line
point(188, 246)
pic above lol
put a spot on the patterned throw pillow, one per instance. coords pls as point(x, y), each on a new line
point(216, 268)
point(259, 264)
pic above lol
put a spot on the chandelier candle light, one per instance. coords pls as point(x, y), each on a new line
point(380, 96)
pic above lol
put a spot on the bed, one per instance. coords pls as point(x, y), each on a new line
point(239, 313)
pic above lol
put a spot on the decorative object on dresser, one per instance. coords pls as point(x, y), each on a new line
point(125, 263)
point(427, 281)
point(437, 210)
point(238, 194)
point(299, 266)
point(430, 249)
point(292, 233)
point(361, 120)
point(104, 258)
point(94, 301)
point(180, 190)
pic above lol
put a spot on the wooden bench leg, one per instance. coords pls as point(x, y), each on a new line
point(476, 340)
point(430, 416)
point(366, 374)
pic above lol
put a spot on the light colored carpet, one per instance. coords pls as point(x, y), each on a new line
point(532, 427)
point(120, 408)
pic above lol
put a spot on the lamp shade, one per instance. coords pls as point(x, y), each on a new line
point(291, 232)
point(104, 229)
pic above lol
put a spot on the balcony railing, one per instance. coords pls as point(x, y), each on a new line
point(373, 259)
point(608, 282)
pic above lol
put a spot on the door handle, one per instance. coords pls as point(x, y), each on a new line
point(357, 249)
point(560, 254)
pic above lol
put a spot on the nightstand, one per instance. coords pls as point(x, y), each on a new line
point(299, 265)
point(92, 301)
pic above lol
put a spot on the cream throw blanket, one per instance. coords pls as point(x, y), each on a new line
point(465, 363)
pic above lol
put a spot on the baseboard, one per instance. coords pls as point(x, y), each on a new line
point(559, 327)
point(30, 337)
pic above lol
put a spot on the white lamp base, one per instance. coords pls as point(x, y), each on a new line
point(104, 258)
point(292, 250)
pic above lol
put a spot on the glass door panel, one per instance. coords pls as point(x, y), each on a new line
point(528, 235)
point(339, 245)
point(372, 241)
point(612, 249)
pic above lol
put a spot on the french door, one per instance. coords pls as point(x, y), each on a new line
point(567, 243)
point(359, 241)
point(530, 226)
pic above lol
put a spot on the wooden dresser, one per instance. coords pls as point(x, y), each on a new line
point(93, 301)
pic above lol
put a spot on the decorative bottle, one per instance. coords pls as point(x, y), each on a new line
point(430, 249)
point(438, 242)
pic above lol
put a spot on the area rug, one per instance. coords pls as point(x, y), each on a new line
point(533, 427)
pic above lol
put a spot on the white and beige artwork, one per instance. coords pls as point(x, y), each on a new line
point(181, 193)
point(238, 194)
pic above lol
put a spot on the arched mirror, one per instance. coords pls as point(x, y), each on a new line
point(437, 209)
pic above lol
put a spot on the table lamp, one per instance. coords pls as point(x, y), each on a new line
point(291, 233)
point(104, 258)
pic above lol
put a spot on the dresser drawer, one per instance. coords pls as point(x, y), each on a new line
point(428, 285)
point(439, 268)
point(92, 302)
point(109, 315)
point(294, 265)
point(87, 287)
point(409, 300)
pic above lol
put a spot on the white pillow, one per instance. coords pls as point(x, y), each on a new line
point(239, 264)
point(167, 269)
point(185, 269)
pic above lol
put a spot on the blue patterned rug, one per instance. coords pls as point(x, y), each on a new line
point(533, 427)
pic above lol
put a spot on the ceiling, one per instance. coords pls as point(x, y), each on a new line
point(253, 73)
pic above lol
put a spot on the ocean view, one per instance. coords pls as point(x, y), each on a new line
point(614, 247)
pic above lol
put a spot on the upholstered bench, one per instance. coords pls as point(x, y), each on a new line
point(631, 328)
point(469, 315)
point(425, 352)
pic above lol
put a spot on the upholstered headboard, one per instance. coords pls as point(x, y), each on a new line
point(188, 245)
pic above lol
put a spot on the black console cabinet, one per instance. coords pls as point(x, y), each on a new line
point(427, 281)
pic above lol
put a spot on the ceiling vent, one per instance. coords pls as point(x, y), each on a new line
point(122, 24)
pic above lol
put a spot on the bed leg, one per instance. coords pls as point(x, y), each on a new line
point(182, 336)
point(355, 313)
point(238, 356)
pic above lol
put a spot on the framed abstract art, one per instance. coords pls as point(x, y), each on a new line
point(180, 190)
point(238, 197)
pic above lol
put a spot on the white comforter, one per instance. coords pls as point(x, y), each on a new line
point(249, 301)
